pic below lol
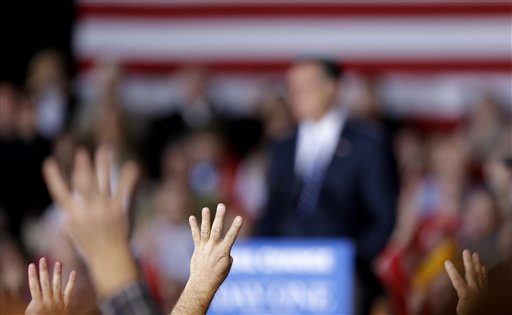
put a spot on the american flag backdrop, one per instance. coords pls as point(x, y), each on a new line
point(423, 39)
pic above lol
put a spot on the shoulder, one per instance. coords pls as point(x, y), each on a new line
point(366, 131)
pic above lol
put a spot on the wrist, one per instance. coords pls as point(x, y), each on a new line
point(195, 299)
point(200, 290)
point(112, 271)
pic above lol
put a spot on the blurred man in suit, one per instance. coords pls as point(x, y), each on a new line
point(334, 176)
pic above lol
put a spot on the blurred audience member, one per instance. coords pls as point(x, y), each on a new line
point(411, 164)
point(498, 175)
point(109, 125)
point(275, 115)
point(335, 176)
point(47, 84)
point(445, 180)
point(23, 150)
point(8, 112)
point(103, 91)
point(107, 81)
point(433, 181)
point(480, 222)
point(484, 128)
point(249, 187)
point(164, 244)
point(210, 171)
point(410, 152)
point(196, 111)
point(175, 163)
point(110, 128)
point(364, 100)
point(12, 275)
point(8, 108)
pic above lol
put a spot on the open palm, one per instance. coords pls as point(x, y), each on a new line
point(470, 288)
point(48, 299)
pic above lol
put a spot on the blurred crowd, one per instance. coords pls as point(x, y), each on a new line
point(455, 178)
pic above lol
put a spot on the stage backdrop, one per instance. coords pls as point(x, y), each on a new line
point(438, 53)
point(263, 35)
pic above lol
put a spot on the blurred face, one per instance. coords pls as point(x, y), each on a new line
point(275, 115)
point(195, 83)
point(174, 161)
point(447, 157)
point(311, 92)
point(8, 101)
point(497, 174)
point(26, 118)
point(109, 126)
point(409, 151)
point(480, 217)
point(46, 70)
point(172, 202)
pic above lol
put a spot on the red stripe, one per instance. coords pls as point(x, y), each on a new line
point(440, 124)
point(290, 10)
point(423, 66)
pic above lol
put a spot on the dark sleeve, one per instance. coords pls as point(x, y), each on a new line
point(378, 189)
point(133, 299)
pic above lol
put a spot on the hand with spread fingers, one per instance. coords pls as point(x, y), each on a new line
point(470, 288)
point(96, 218)
point(211, 261)
point(47, 295)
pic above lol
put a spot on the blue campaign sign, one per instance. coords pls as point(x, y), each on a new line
point(288, 276)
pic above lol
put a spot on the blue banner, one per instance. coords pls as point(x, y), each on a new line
point(289, 276)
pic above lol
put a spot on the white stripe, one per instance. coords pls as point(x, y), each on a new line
point(265, 39)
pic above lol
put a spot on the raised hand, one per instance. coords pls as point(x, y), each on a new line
point(48, 299)
point(97, 220)
point(470, 289)
point(212, 259)
point(210, 262)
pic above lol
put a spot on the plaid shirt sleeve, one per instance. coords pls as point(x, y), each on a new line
point(134, 299)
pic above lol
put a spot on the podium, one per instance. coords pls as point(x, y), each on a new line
point(289, 276)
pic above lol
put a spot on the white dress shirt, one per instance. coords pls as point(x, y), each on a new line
point(317, 141)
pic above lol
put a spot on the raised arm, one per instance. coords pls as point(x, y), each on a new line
point(98, 225)
point(97, 221)
point(210, 262)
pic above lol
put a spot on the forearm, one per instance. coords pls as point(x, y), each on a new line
point(113, 271)
point(194, 300)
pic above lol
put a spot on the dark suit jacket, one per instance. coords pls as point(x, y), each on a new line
point(357, 198)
